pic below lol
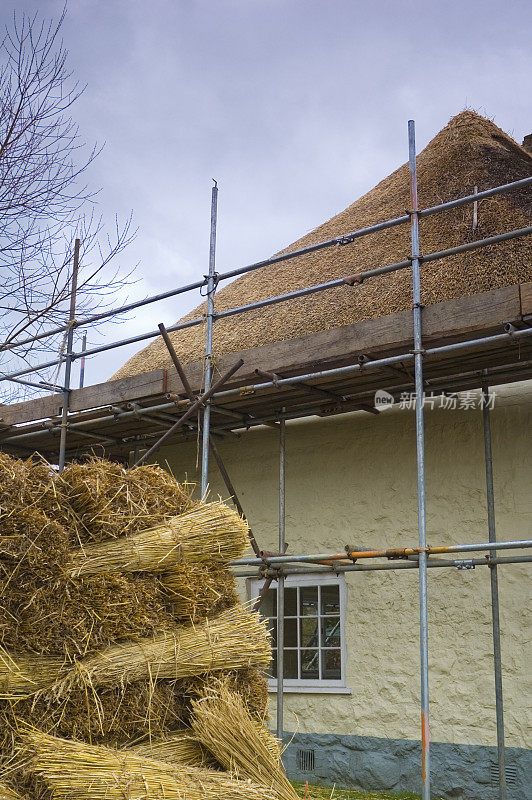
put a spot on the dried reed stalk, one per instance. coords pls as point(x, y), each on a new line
point(22, 674)
point(181, 747)
point(8, 794)
point(235, 639)
point(223, 725)
point(210, 532)
point(76, 771)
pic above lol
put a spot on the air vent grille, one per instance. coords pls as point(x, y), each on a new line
point(305, 760)
point(511, 775)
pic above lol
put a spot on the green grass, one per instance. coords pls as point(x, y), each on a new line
point(326, 792)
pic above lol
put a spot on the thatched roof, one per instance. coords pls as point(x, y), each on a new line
point(469, 151)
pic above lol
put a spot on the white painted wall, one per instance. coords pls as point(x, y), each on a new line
point(351, 479)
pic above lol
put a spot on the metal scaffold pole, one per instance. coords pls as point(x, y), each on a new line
point(495, 621)
point(280, 582)
point(68, 359)
point(420, 453)
point(211, 289)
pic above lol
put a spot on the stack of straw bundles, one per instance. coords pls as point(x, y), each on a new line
point(77, 771)
point(236, 639)
point(210, 532)
point(244, 747)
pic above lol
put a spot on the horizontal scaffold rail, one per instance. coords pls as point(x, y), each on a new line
point(338, 568)
point(389, 553)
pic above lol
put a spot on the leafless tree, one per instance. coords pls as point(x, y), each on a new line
point(44, 201)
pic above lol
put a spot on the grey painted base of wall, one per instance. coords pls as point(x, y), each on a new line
point(367, 762)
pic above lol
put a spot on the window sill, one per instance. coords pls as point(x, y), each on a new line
point(312, 690)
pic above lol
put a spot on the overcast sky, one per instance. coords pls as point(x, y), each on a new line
point(296, 107)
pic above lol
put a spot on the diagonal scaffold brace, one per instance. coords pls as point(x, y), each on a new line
point(221, 466)
point(196, 405)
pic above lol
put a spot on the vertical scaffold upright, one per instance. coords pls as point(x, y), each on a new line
point(494, 587)
point(211, 289)
point(420, 454)
point(69, 356)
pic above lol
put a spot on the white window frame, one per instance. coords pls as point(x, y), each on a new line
point(313, 685)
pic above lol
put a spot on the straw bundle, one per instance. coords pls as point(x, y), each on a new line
point(235, 639)
point(242, 746)
point(110, 501)
point(108, 715)
point(249, 684)
point(75, 771)
point(181, 747)
point(197, 591)
point(210, 532)
point(469, 151)
point(23, 674)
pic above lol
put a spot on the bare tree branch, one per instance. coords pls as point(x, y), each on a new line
point(44, 202)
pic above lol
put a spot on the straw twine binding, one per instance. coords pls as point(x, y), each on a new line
point(76, 771)
point(211, 532)
point(239, 743)
point(469, 151)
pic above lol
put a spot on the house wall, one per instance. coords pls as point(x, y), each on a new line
point(351, 480)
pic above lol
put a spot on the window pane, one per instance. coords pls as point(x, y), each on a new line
point(290, 632)
point(310, 664)
point(331, 664)
point(290, 602)
point(309, 601)
point(290, 664)
point(268, 606)
point(309, 631)
point(330, 600)
point(330, 631)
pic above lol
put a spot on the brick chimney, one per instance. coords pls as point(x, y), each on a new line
point(527, 143)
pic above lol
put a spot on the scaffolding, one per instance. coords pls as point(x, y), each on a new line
point(300, 395)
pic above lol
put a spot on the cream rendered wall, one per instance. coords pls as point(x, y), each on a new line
point(351, 479)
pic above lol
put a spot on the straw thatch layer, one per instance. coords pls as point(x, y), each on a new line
point(470, 151)
point(236, 639)
point(242, 746)
point(75, 771)
point(210, 532)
